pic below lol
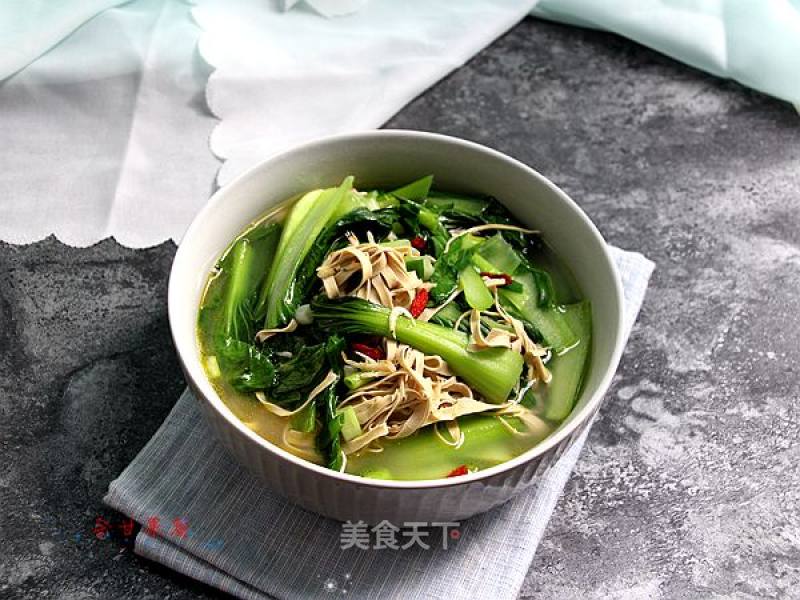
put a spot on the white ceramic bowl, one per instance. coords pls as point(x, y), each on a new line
point(386, 159)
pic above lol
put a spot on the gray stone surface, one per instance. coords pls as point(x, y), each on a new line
point(688, 487)
point(87, 374)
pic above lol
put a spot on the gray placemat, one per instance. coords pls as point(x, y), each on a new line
point(205, 516)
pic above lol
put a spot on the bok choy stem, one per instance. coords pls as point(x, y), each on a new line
point(308, 218)
point(487, 441)
point(246, 266)
point(491, 372)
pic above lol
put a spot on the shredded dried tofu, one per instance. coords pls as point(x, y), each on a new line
point(410, 390)
point(265, 334)
point(372, 272)
point(330, 379)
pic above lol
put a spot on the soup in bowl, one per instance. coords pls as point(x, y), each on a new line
point(395, 325)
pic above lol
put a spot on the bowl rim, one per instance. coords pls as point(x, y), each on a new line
point(199, 382)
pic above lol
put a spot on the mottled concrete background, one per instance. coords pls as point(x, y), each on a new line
point(689, 485)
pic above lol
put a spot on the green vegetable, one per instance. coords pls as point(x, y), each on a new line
point(395, 243)
point(387, 200)
point(429, 220)
point(356, 380)
point(416, 190)
point(376, 473)
point(327, 438)
point(306, 420)
point(245, 267)
point(305, 222)
point(468, 241)
point(356, 200)
point(492, 372)
point(483, 264)
point(499, 255)
point(549, 323)
point(357, 222)
point(546, 295)
point(229, 317)
point(568, 370)
point(270, 270)
point(421, 265)
point(447, 316)
point(351, 429)
point(439, 234)
point(449, 265)
point(487, 442)
point(212, 367)
point(244, 366)
point(236, 308)
point(327, 441)
point(414, 263)
point(514, 286)
point(475, 291)
point(296, 377)
point(412, 219)
point(445, 202)
point(293, 378)
point(427, 268)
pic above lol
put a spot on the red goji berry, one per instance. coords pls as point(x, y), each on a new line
point(418, 242)
point(462, 470)
point(372, 352)
point(418, 303)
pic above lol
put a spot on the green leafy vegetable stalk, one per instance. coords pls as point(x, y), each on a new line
point(492, 372)
point(305, 222)
point(246, 266)
point(244, 366)
point(328, 441)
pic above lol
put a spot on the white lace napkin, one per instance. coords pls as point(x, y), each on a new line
point(285, 78)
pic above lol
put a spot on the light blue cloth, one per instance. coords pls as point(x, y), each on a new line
point(241, 538)
point(755, 42)
point(29, 28)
